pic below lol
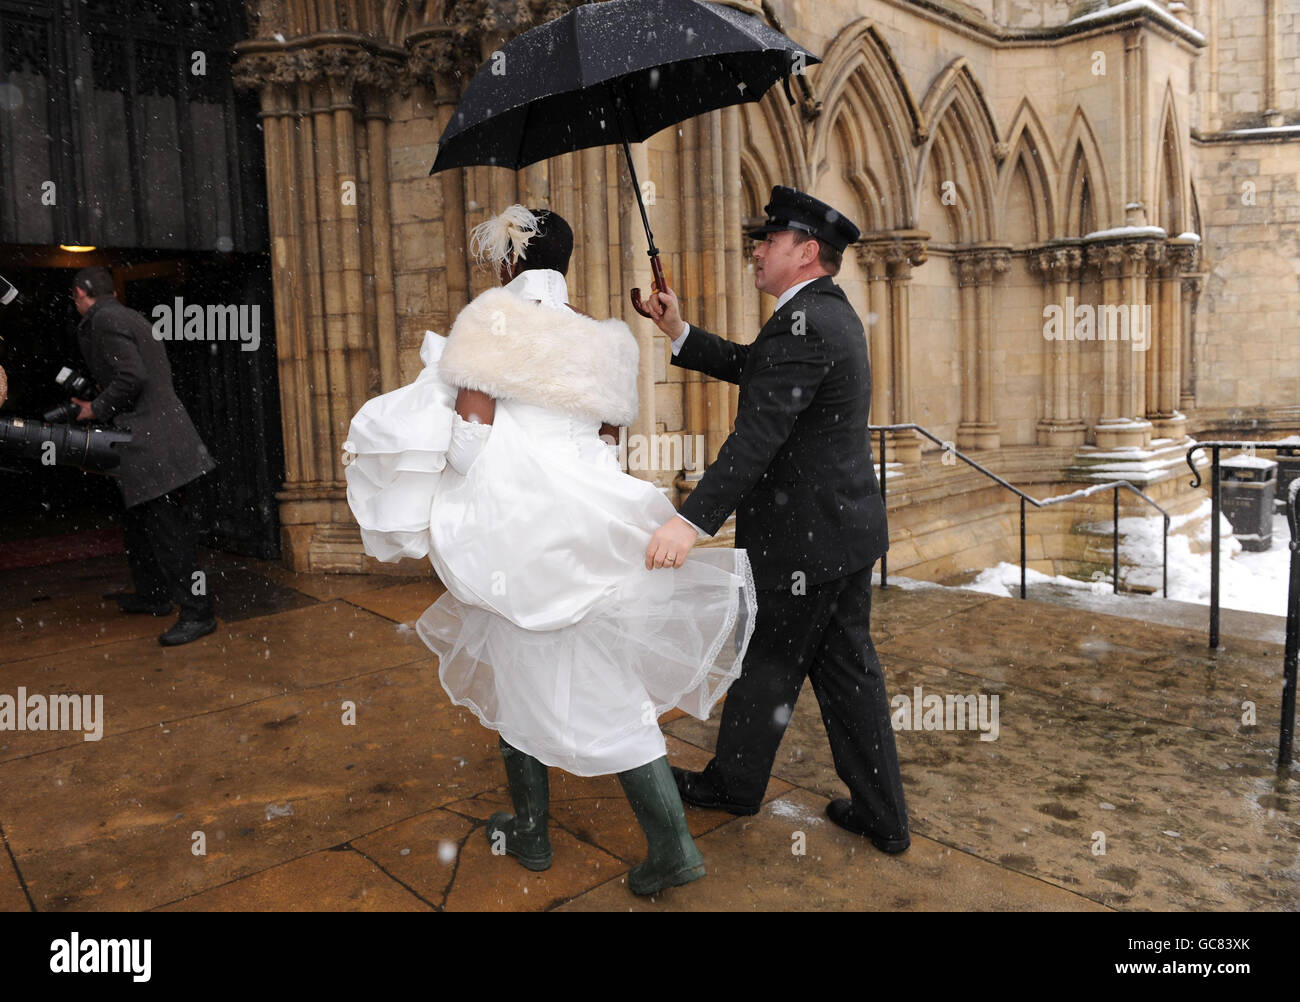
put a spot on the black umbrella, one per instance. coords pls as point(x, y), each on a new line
point(614, 72)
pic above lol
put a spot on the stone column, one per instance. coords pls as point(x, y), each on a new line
point(334, 342)
point(1191, 295)
point(871, 259)
point(1123, 268)
point(983, 432)
point(1134, 363)
point(904, 251)
point(1167, 419)
point(1154, 359)
point(1134, 119)
point(1112, 427)
point(1059, 267)
point(964, 263)
point(381, 252)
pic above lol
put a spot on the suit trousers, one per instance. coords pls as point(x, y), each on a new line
point(160, 550)
point(823, 635)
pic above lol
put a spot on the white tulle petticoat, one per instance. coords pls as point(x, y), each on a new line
point(551, 631)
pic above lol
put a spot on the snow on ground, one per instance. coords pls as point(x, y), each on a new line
point(1253, 582)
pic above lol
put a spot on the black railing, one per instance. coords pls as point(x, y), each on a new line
point(1292, 628)
point(1114, 485)
point(1216, 506)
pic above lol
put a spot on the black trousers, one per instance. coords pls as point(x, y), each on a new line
point(823, 635)
point(160, 550)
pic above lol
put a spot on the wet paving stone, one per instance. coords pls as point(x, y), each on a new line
point(310, 749)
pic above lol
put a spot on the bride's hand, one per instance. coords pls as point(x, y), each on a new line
point(670, 544)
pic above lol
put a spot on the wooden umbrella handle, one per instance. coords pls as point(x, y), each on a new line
point(660, 285)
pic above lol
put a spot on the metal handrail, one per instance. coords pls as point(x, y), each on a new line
point(1216, 505)
point(1083, 492)
point(1292, 629)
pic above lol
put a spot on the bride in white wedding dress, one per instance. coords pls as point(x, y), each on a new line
point(552, 631)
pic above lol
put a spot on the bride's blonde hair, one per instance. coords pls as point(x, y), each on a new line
point(503, 239)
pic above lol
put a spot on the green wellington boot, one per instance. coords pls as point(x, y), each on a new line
point(523, 834)
point(674, 859)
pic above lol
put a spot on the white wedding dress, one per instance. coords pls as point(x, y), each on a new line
point(552, 630)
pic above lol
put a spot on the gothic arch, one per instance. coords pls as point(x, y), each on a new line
point(1085, 180)
point(870, 105)
point(955, 108)
point(871, 194)
point(1032, 158)
point(949, 169)
point(396, 20)
point(1169, 204)
point(774, 116)
point(755, 183)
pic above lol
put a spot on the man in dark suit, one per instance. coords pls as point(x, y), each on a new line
point(165, 453)
point(797, 470)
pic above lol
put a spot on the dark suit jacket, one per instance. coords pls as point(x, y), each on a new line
point(131, 366)
point(797, 469)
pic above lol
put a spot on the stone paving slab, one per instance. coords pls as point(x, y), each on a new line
point(342, 881)
point(403, 603)
point(444, 855)
point(110, 824)
point(451, 861)
point(1254, 626)
point(899, 610)
point(1191, 820)
point(753, 866)
point(73, 623)
point(90, 577)
point(142, 684)
point(423, 852)
point(12, 898)
point(320, 586)
point(327, 641)
point(1156, 671)
point(1105, 725)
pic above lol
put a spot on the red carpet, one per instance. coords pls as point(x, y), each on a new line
point(17, 553)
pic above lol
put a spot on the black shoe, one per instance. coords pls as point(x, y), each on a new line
point(841, 812)
point(698, 792)
point(130, 602)
point(187, 631)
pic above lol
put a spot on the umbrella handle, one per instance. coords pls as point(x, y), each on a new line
point(660, 283)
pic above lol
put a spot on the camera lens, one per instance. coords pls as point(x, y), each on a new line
point(85, 446)
point(63, 414)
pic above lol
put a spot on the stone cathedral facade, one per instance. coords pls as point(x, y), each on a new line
point(1081, 238)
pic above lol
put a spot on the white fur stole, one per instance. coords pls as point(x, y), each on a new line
point(508, 347)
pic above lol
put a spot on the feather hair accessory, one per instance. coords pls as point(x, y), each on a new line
point(504, 238)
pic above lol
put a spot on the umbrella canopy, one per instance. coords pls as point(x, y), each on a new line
point(612, 72)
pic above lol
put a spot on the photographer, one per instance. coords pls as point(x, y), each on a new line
point(165, 454)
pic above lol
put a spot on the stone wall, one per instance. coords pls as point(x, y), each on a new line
point(1248, 342)
point(996, 159)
